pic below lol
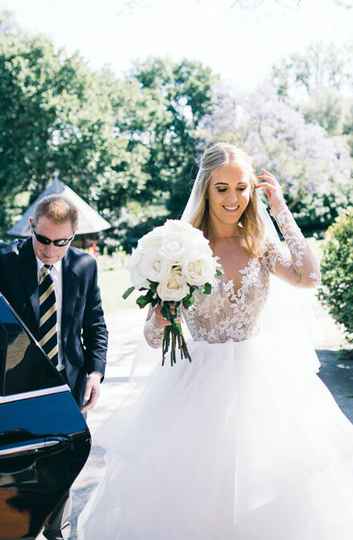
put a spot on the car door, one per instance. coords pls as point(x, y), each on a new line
point(44, 439)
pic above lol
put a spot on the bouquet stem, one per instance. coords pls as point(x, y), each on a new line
point(173, 338)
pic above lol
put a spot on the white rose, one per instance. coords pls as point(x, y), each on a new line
point(173, 287)
point(153, 266)
point(152, 240)
point(199, 247)
point(138, 279)
point(173, 247)
point(184, 229)
point(201, 270)
point(177, 226)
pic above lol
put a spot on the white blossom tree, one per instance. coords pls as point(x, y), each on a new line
point(314, 169)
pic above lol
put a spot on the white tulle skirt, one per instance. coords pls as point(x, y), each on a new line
point(244, 443)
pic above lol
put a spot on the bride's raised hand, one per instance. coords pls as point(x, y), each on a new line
point(272, 189)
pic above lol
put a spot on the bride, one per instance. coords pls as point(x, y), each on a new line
point(244, 443)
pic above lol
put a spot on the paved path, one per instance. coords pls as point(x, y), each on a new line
point(337, 373)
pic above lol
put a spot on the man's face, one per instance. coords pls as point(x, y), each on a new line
point(50, 254)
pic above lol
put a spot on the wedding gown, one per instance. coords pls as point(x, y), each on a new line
point(243, 443)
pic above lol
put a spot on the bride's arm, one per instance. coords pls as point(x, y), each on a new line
point(301, 266)
point(153, 329)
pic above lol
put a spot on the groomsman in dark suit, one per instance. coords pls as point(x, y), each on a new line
point(53, 287)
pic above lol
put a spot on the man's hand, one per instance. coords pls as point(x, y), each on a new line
point(92, 391)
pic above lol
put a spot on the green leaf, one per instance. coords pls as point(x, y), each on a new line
point(143, 301)
point(153, 286)
point(188, 301)
point(207, 288)
point(166, 311)
point(128, 292)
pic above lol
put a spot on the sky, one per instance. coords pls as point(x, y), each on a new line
point(239, 44)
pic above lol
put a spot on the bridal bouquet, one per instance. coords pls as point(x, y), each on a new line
point(169, 264)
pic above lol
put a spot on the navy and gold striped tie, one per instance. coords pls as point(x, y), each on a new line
point(48, 338)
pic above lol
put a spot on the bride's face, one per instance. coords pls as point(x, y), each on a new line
point(229, 193)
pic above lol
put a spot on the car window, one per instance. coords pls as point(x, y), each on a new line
point(23, 365)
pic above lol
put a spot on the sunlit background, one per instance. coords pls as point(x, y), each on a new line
point(117, 100)
point(238, 39)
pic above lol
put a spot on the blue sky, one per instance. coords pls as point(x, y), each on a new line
point(241, 45)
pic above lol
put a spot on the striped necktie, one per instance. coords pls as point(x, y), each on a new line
point(48, 338)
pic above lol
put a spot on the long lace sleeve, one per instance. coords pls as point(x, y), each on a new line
point(153, 333)
point(300, 266)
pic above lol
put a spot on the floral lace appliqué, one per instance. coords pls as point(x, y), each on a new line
point(299, 259)
point(231, 314)
point(293, 237)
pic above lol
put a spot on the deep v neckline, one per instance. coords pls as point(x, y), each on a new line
point(229, 284)
point(236, 290)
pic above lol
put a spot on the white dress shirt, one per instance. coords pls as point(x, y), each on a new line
point(56, 275)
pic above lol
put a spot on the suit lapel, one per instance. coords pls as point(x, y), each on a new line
point(30, 276)
point(70, 292)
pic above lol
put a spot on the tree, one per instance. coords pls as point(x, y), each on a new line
point(320, 67)
point(171, 100)
point(319, 83)
point(8, 22)
point(127, 146)
point(56, 116)
point(348, 127)
point(328, 108)
point(314, 169)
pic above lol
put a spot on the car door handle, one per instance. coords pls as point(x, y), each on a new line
point(29, 447)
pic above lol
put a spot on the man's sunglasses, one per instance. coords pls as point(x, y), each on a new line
point(60, 242)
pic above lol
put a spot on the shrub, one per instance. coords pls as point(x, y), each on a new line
point(336, 291)
point(315, 212)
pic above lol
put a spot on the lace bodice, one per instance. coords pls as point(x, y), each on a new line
point(230, 313)
point(233, 313)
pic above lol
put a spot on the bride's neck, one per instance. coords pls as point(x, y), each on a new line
point(220, 231)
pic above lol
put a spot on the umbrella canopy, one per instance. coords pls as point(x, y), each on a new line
point(89, 220)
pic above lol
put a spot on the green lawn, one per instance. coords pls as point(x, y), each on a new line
point(113, 281)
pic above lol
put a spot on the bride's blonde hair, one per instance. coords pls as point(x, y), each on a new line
point(252, 228)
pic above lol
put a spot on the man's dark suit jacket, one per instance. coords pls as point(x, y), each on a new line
point(84, 335)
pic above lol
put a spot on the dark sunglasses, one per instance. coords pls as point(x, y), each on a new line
point(60, 242)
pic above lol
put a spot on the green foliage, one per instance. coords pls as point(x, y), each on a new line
point(129, 146)
point(348, 127)
point(327, 109)
point(336, 291)
point(118, 143)
point(207, 288)
point(315, 212)
point(158, 111)
point(320, 67)
point(127, 293)
point(57, 115)
point(128, 234)
point(182, 93)
point(318, 82)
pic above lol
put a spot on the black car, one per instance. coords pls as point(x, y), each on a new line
point(44, 439)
